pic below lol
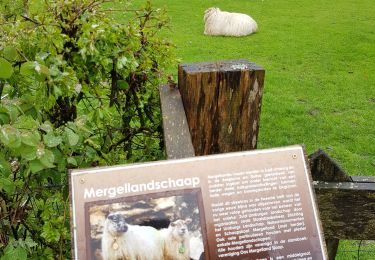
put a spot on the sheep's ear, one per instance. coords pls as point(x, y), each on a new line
point(209, 10)
point(172, 224)
point(188, 221)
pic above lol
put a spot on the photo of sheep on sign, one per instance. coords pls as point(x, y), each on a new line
point(156, 226)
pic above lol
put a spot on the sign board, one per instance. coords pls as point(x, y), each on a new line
point(246, 205)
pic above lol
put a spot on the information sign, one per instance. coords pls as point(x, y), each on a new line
point(246, 205)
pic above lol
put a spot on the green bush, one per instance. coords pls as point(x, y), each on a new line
point(78, 89)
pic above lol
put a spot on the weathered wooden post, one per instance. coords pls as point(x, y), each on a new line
point(222, 102)
point(176, 131)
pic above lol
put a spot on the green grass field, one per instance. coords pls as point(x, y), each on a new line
point(319, 58)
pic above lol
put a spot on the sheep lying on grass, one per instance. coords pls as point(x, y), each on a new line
point(176, 240)
point(217, 22)
point(124, 241)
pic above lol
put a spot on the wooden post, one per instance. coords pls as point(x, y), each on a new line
point(176, 132)
point(323, 168)
point(222, 102)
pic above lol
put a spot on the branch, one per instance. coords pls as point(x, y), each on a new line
point(114, 87)
point(123, 140)
point(130, 135)
point(137, 106)
point(90, 6)
point(2, 84)
point(31, 20)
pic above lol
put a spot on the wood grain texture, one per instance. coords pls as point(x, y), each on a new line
point(176, 131)
point(222, 102)
point(368, 179)
point(323, 168)
point(347, 210)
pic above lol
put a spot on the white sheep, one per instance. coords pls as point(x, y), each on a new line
point(176, 240)
point(131, 242)
point(218, 22)
point(196, 245)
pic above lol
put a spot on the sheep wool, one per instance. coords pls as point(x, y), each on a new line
point(131, 242)
point(218, 22)
point(176, 240)
point(196, 246)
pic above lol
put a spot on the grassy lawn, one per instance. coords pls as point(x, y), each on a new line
point(319, 58)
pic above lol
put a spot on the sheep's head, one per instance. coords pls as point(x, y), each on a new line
point(179, 228)
point(116, 224)
point(209, 12)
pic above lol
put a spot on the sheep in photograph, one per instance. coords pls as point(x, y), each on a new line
point(176, 240)
point(218, 22)
point(121, 240)
point(196, 245)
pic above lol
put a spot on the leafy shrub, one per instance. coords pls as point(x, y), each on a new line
point(78, 89)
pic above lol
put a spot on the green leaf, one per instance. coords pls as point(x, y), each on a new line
point(41, 56)
point(57, 91)
point(10, 136)
point(5, 168)
point(27, 152)
point(40, 150)
point(13, 112)
point(7, 185)
point(36, 166)
point(30, 243)
point(6, 69)
point(36, 7)
point(46, 127)
point(28, 108)
point(73, 138)
point(72, 126)
point(30, 138)
point(51, 140)
point(4, 118)
point(121, 62)
point(72, 161)
point(122, 84)
point(14, 253)
point(10, 53)
point(48, 159)
point(33, 67)
point(60, 160)
point(41, 69)
point(50, 233)
point(27, 68)
point(61, 167)
point(134, 65)
point(26, 122)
